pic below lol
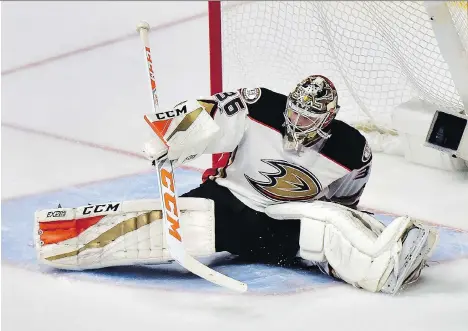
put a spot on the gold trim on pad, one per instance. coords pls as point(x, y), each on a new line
point(113, 233)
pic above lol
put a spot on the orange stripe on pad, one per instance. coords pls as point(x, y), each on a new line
point(55, 232)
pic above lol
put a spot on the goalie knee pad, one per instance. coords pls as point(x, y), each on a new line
point(120, 233)
point(356, 247)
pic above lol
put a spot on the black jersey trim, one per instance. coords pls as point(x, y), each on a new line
point(346, 146)
point(269, 109)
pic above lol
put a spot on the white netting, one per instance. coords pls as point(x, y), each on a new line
point(459, 12)
point(378, 53)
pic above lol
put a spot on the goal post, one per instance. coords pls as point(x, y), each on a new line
point(446, 18)
point(379, 54)
point(215, 42)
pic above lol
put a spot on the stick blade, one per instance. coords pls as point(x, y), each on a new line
point(201, 270)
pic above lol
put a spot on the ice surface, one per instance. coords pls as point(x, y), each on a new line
point(99, 97)
point(34, 301)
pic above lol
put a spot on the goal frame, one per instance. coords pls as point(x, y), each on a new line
point(450, 44)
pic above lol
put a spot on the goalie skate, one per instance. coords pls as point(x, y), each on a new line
point(418, 244)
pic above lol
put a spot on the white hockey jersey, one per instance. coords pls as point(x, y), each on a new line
point(259, 172)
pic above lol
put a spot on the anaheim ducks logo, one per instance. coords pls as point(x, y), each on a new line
point(290, 183)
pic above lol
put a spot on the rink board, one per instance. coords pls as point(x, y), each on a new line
point(17, 244)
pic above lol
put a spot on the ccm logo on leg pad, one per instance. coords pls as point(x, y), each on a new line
point(100, 208)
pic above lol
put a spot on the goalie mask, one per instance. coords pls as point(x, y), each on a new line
point(309, 109)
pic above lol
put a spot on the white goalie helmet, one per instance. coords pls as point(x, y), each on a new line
point(310, 107)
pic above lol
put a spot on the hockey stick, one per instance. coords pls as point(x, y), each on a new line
point(168, 196)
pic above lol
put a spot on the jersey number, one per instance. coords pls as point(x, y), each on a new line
point(230, 102)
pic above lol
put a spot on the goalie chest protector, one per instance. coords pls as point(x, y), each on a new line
point(259, 172)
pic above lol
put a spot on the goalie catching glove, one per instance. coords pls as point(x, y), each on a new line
point(184, 133)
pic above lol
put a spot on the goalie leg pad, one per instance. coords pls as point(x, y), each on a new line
point(360, 249)
point(120, 233)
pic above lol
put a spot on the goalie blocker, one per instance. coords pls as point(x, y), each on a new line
point(344, 243)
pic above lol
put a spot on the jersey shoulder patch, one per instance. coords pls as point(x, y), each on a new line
point(250, 95)
point(347, 146)
point(266, 106)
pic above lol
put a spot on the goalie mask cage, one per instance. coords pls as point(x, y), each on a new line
point(379, 54)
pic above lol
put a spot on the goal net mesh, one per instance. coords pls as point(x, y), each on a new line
point(378, 53)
